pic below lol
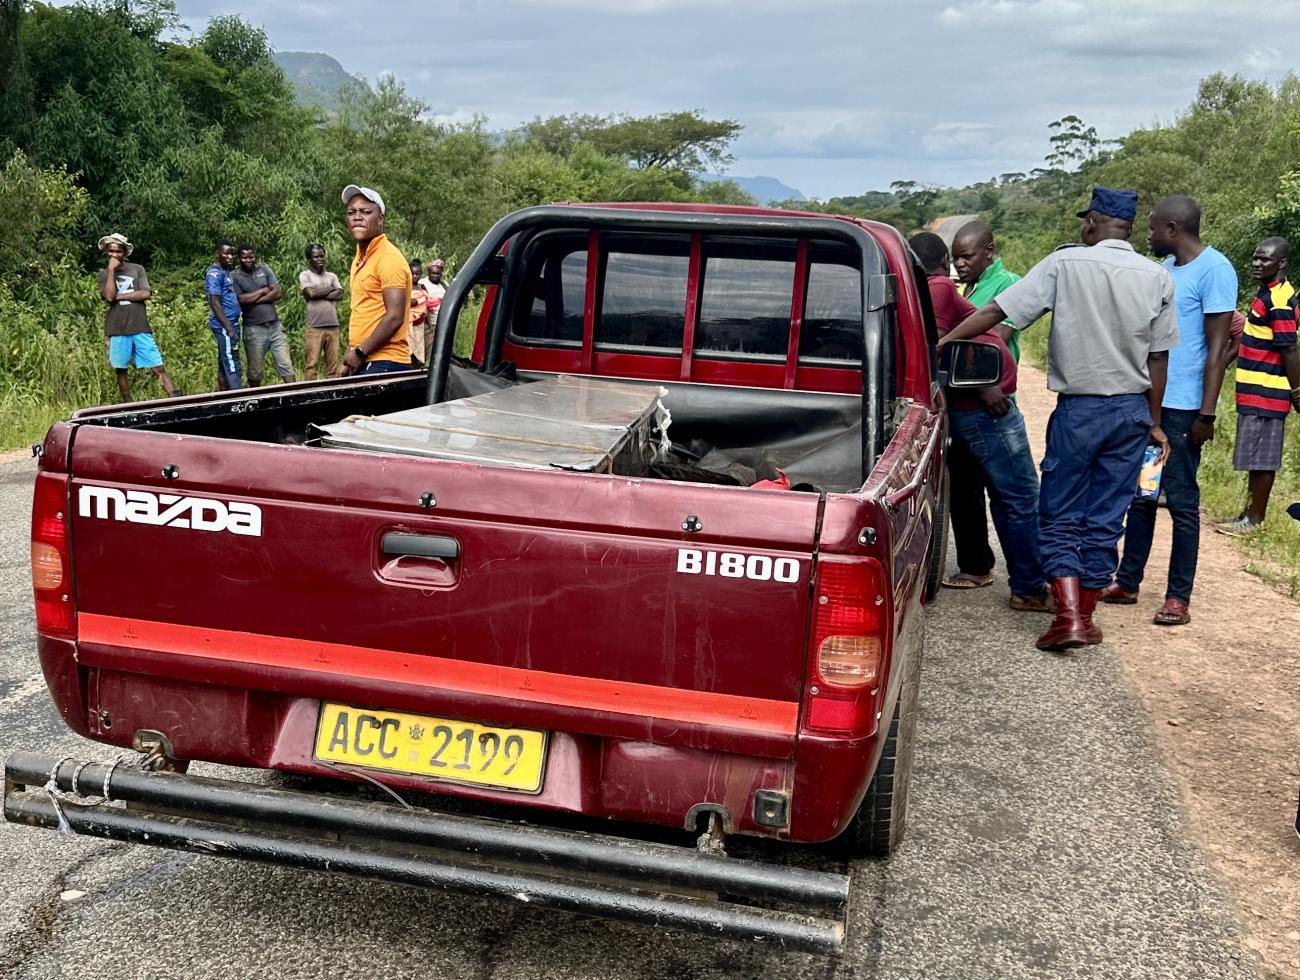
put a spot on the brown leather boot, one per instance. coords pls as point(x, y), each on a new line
point(1068, 629)
point(1087, 605)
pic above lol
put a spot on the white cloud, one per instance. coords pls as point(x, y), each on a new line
point(1268, 59)
point(836, 96)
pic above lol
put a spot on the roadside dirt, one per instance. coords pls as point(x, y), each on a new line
point(1223, 693)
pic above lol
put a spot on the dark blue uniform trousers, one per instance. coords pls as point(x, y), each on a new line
point(1090, 472)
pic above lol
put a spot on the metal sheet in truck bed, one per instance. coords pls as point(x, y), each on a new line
point(568, 423)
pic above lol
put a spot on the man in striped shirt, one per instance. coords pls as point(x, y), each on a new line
point(1268, 380)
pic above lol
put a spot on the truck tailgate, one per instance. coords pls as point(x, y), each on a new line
point(573, 601)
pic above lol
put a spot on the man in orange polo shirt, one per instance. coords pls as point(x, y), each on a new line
point(381, 291)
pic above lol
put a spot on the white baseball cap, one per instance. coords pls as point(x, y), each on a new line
point(352, 190)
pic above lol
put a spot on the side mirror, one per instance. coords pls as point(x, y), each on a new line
point(969, 364)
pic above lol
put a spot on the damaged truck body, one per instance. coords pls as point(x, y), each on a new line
point(654, 556)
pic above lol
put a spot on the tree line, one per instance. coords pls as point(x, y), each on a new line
point(116, 118)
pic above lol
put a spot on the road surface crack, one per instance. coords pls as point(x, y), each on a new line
point(18, 948)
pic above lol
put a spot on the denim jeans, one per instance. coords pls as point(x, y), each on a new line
point(1090, 473)
point(1000, 448)
point(1183, 497)
point(260, 338)
point(383, 367)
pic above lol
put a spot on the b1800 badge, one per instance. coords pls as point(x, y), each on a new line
point(729, 564)
point(170, 510)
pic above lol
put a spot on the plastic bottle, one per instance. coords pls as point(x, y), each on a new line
point(1152, 470)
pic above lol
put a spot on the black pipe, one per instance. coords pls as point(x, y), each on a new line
point(632, 860)
point(795, 932)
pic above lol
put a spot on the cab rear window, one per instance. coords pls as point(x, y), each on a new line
point(745, 298)
point(745, 302)
point(643, 300)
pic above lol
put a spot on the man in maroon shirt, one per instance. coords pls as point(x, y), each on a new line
point(989, 444)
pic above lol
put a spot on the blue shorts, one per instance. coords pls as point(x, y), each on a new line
point(139, 347)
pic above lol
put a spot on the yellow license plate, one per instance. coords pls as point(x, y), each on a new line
point(444, 748)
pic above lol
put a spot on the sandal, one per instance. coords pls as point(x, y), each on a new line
point(965, 580)
point(1172, 613)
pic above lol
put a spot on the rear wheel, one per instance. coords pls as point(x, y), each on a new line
point(876, 830)
point(937, 555)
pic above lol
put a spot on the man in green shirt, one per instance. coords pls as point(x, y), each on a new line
point(982, 274)
point(983, 277)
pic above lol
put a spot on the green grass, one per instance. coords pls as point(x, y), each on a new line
point(1274, 551)
point(53, 358)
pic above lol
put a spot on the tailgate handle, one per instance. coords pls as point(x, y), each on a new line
point(421, 546)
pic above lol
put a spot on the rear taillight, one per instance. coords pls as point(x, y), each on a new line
point(56, 614)
point(849, 631)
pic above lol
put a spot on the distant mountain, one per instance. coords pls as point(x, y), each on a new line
point(764, 190)
point(316, 77)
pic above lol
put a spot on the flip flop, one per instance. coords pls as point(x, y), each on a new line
point(965, 580)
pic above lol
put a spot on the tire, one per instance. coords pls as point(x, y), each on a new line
point(876, 830)
point(937, 555)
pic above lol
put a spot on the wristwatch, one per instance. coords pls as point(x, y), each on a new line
point(360, 353)
point(1206, 418)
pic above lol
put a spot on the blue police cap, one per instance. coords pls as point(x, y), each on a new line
point(1112, 203)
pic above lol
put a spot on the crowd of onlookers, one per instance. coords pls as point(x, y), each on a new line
point(242, 294)
point(1137, 355)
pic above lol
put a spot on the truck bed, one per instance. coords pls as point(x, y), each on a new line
point(574, 603)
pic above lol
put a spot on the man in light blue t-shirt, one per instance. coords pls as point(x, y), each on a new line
point(1205, 293)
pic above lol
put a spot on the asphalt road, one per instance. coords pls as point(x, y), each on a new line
point(1046, 840)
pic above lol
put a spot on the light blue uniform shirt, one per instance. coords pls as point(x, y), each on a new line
point(1204, 286)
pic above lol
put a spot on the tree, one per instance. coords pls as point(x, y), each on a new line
point(234, 44)
point(16, 107)
point(1072, 143)
point(679, 141)
point(682, 141)
point(559, 135)
point(915, 200)
point(43, 210)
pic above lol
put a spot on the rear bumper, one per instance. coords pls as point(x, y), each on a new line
point(655, 778)
point(655, 884)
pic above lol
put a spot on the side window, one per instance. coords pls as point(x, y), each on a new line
point(552, 308)
point(832, 320)
point(643, 303)
point(745, 307)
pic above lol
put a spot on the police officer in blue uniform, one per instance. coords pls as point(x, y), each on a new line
point(1114, 322)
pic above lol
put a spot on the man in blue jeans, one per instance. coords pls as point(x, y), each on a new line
point(1113, 325)
point(1205, 286)
point(989, 433)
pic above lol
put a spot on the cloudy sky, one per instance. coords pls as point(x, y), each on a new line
point(837, 96)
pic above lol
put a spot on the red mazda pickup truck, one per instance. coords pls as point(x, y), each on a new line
point(655, 555)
